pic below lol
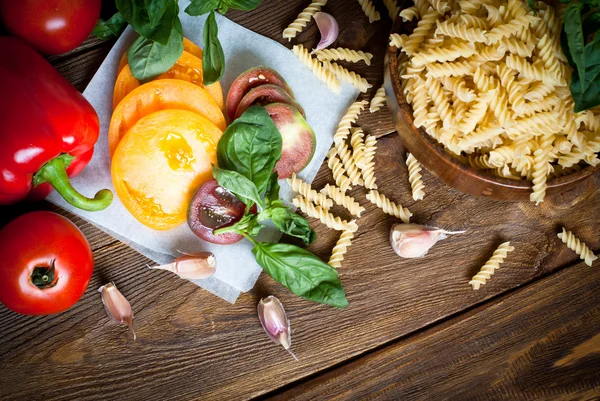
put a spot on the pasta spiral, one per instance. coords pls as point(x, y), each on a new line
point(458, 86)
point(414, 177)
point(392, 8)
point(577, 246)
point(541, 159)
point(304, 189)
point(512, 45)
point(328, 219)
point(337, 169)
point(425, 24)
point(440, 6)
point(496, 34)
point(346, 122)
point(317, 68)
point(368, 172)
point(347, 76)
point(450, 69)
point(369, 10)
point(303, 19)
point(460, 31)
point(352, 171)
point(440, 101)
point(534, 71)
point(491, 265)
point(341, 199)
point(358, 147)
point(444, 53)
point(343, 54)
point(389, 207)
point(378, 100)
point(340, 249)
point(409, 13)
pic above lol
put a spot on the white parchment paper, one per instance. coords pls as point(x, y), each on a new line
point(237, 269)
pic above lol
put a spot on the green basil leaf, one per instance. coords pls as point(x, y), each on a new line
point(565, 48)
point(213, 58)
point(156, 9)
point(239, 185)
point(148, 59)
point(223, 8)
point(302, 272)
point(272, 191)
point(575, 40)
point(201, 7)
point(112, 27)
point(244, 5)
point(136, 13)
point(251, 145)
point(531, 4)
point(592, 60)
point(590, 96)
point(292, 224)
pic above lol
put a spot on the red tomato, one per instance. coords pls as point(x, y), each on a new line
point(51, 26)
point(46, 264)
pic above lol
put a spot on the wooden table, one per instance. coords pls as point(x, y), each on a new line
point(414, 329)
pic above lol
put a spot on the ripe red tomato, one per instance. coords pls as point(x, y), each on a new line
point(51, 26)
point(46, 264)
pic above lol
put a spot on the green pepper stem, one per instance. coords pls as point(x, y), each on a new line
point(54, 172)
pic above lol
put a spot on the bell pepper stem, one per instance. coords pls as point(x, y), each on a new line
point(54, 172)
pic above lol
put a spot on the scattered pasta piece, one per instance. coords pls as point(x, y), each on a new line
point(352, 170)
point(389, 207)
point(343, 54)
point(378, 100)
point(358, 147)
point(369, 10)
point(304, 189)
point(317, 68)
point(491, 265)
point(340, 198)
point(368, 172)
point(414, 177)
point(392, 8)
point(347, 120)
point(340, 248)
point(338, 171)
point(577, 246)
point(303, 19)
point(349, 77)
point(328, 219)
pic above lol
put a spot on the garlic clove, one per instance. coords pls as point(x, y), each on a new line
point(192, 266)
point(275, 322)
point(328, 27)
point(117, 307)
point(414, 240)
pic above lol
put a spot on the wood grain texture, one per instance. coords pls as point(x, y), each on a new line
point(542, 342)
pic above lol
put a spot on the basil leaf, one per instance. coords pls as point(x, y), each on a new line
point(223, 8)
point(292, 224)
point(272, 191)
point(251, 145)
point(137, 15)
point(531, 4)
point(236, 183)
point(245, 5)
point(302, 272)
point(201, 7)
point(148, 59)
point(575, 40)
point(156, 9)
point(112, 27)
point(590, 96)
point(213, 58)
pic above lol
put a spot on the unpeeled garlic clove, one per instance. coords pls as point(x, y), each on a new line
point(117, 307)
point(414, 240)
point(192, 266)
point(328, 27)
point(275, 322)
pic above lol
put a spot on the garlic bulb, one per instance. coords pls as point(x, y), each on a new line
point(414, 240)
point(275, 322)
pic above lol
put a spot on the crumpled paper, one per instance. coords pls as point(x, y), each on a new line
point(237, 269)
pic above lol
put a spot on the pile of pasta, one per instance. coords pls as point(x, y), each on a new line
point(488, 80)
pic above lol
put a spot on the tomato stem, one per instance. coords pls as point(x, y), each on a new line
point(44, 277)
point(54, 172)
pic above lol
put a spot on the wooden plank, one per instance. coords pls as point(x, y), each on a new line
point(193, 345)
point(540, 342)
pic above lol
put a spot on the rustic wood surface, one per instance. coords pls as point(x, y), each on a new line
point(414, 328)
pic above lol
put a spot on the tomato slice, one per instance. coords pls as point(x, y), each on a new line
point(125, 83)
point(161, 95)
point(215, 207)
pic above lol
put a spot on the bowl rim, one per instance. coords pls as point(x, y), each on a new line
point(391, 68)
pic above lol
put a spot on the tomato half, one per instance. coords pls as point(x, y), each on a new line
point(51, 26)
point(46, 264)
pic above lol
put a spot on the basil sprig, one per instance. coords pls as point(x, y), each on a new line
point(111, 27)
point(247, 154)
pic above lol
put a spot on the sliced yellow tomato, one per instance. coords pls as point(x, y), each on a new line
point(161, 95)
point(160, 163)
point(125, 83)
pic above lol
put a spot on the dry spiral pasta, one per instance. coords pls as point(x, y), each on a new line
point(577, 246)
point(303, 19)
point(491, 265)
point(340, 198)
point(409, 13)
point(343, 54)
point(461, 31)
point(340, 248)
point(378, 100)
point(347, 76)
point(415, 177)
point(368, 172)
point(338, 171)
point(392, 8)
point(303, 188)
point(317, 68)
point(358, 147)
point(541, 159)
point(328, 219)
point(347, 120)
point(369, 10)
point(389, 207)
point(352, 170)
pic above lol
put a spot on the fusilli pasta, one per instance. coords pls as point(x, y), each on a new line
point(337, 169)
point(577, 246)
point(328, 219)
point(347, 76)
point(414, 177)
point(389, 207)
point(304, 189)
point(369, 10)
point(343, 54)
point(341, 199)
point(317, 68)
point(303, 19)
point(340, 249)
point(347, 120)
point(491, 265)
point(378, 100)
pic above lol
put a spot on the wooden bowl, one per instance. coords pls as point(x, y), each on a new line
point(434, 158)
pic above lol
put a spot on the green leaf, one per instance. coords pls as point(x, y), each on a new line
point(201, 7)
point(223, 8)
point(112, 27)
point(236, 183)
point(302, 272)
point(213, 58)
point(292, 224)
point(148, 59)
point(272, 190)
point(575, 40)
point(590, 96)
point(251, 145)
point(244, 5)
point(138, 16)
point(531, 4)
point(156, 9)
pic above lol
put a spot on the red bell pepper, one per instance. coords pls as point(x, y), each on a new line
point(47, 130)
